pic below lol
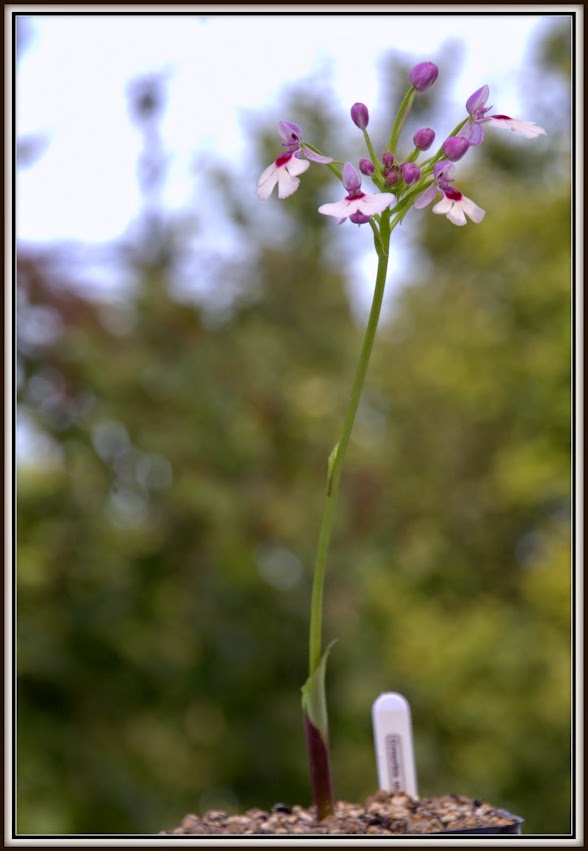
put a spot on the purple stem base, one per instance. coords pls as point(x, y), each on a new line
point(320, 769)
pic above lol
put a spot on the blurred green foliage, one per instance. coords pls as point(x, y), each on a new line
point(166, 539)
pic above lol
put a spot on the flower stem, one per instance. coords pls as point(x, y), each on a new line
point(401, 117)
point(338, 454)
point(314, 702)
point(374, 159)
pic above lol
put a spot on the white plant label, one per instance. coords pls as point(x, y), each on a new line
point(393, 743)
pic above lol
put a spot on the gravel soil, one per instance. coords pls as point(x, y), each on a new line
point(383, 814)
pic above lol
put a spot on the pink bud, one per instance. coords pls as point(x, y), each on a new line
point(387, 159)
point(392, 176)
point(455, 147)
point(410, 173)
point(424, 138)
point(366, 166)
point(360, 115)
point(423, 76)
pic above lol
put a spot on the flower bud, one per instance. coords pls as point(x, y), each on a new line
point(360, 115)
point(366, 166)
point(387, 159)
point(424, 138)
point(423, 76)
point(392, 176)
point(455, 147)
point(410, 173)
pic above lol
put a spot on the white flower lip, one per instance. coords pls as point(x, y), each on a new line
point(527, 129)
point(369, 205)
point(456, 210)
point(285, 176)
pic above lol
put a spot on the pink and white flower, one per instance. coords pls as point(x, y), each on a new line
point(528, 129)
point(476, 106)
point(453, 204)
point(284, 171)
point(357, 205)
point(456, 206)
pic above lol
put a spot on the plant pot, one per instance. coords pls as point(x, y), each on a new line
point(385, 813)
point(514, 827)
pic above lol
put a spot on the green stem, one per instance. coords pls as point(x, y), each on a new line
point(337, 455)
point(374, 159)
point(401, 117)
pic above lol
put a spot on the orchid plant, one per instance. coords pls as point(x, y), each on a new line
point(402, 182)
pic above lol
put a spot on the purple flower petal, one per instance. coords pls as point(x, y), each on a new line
point(315, 158)
point(426, 198)
point(289, 132)
point(351, 178)
point(476, 101)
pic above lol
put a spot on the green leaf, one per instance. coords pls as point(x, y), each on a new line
point(314, 702)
